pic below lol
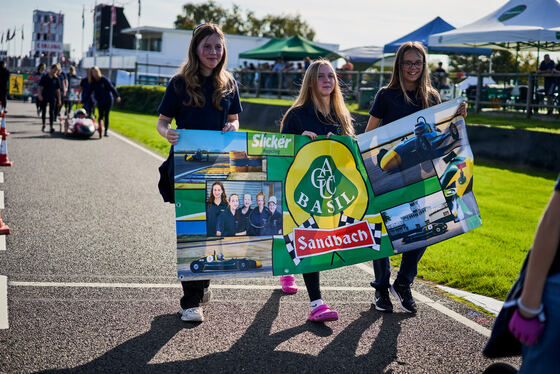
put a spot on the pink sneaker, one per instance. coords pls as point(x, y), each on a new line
point(288, 284)
point(323, 313)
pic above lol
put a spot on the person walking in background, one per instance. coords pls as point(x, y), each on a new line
point(37, 78)
point(4, 84)
point(63, 87)
point(85, 93)
point(547, 66)
point(104, 93)
point(203, 96)
point(541, 294)
point(318, 110)
point(50, 94)
point(73, 84)
point(408, 91)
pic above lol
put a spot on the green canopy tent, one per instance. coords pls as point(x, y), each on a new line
point(294, 48)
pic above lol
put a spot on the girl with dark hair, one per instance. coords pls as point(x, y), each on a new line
point(408, 91)
point(204, 96)
point(217, 204)
point(318, 110)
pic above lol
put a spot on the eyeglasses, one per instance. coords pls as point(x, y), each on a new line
point(409, 64)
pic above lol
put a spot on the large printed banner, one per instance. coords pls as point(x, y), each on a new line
point(251, 204)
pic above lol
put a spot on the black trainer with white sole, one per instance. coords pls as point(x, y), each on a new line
point(382, 301)
point(404, 295)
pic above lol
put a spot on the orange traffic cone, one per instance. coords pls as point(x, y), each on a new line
point(4, 152)
point(3, 130)
point(4, 229)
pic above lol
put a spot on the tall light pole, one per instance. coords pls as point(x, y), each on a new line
point(113, 21)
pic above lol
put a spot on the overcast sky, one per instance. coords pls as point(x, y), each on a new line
point(349, 23)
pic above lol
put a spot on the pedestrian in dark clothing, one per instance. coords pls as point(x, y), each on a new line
point(274, 224)
point(217, 204)
point(103, 93)
point(49, 94)
point(258, 217)
point(203, 96)
point(85, 93)
point(63, 78)
point(547, 66)
point(4, 84)
point(37, 78)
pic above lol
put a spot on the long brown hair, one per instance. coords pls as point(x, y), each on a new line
point(222, 80)
point(211, 199)
point(308, 93)
point(424, 90)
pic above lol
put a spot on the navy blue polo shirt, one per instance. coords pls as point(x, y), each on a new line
point(391, 105)
point(304, 118)
point(103, 91)
point(50, 85)
point(173, 105)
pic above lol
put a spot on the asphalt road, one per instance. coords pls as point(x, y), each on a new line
point(91, 275)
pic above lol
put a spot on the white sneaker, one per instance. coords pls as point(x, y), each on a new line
point(207, 296)
point(192, 314)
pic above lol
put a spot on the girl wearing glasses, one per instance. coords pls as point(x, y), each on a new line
point(203, 96)
point(408, 91)
point(318, 110)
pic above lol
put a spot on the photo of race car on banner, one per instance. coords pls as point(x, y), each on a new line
point(252, 204)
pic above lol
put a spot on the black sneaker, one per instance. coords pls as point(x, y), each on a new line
point(382, 301)
point(404, 295)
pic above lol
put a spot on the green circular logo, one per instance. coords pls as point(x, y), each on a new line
point(515, 11)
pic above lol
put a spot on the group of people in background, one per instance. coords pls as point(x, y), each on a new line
point(225, 217)
point(551, 83)
point(57, 88)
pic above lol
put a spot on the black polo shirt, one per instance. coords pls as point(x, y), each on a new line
point(304, 118)
point(173, 105)
point(390, 105)
point(50, 85)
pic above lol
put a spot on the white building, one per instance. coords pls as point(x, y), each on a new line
point(48, 30)
point(168, 47)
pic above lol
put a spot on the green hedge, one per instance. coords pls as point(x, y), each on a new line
point(140, 99)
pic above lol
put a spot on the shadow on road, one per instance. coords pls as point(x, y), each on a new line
point(255, 350)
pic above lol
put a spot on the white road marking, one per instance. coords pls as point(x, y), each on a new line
point(4, 302)
point(2, 242)
point(143, 149)
point(437, 306)
point(1, 177)
point(368, 269)
point(1, 199)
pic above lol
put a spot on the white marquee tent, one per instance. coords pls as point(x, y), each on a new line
point(525, 25)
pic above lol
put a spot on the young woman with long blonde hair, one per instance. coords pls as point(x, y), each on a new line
point(318, 110)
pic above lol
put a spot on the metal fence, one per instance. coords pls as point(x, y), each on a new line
point(513, 92)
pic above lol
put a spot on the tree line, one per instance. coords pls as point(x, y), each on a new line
point(243, 22)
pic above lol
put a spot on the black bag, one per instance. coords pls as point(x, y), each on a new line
point(502, 343)
point(167, 179)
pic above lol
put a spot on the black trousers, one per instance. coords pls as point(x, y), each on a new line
point(3, 98)
point(312, 284)
point(52, 111)
point(193, 292)
point(104, 115)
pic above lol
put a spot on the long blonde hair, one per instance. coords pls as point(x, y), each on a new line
point(189, 71)
point(309, 93)
point(424, 89)
point(90, 74)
